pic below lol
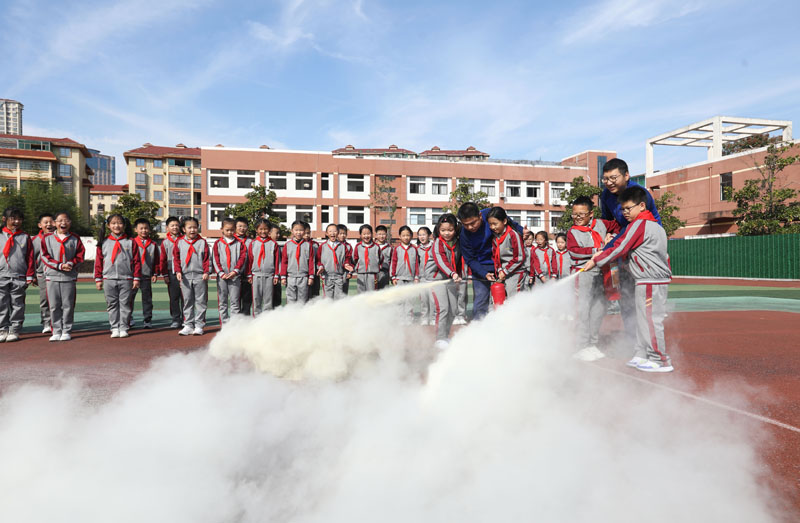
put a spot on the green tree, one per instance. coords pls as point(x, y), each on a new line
point(258, 205)
point(666, 206)
point(132, 207)
point(465, 192)
point(765, 205)
point(580, 187)
point(749, 142)
point(39, 196)
point(384, 198)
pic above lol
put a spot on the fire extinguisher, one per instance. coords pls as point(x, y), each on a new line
point(498, 290)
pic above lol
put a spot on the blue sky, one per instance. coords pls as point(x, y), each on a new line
point(534, 80)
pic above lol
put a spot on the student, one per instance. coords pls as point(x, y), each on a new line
point(445, 264)
point(277, 292)
point(332, 264)
point(229, 258)
point(297, 265)
point(507, 251)
point(246, 294)
point(152, 266)
point(385, 248)
point(404, 267)
point(315, 288)
point(263, 266)
point(173, 285)
point(17, 270)
point(192, 264)
point(117, 272)
point(46, 226)
point(424, 245)
point(644, 243)
point(62, 253)
point(542, 264)
point(342, 237)
point(584, 239)
point(561, 257)
point(528, 242)
point(367, 260)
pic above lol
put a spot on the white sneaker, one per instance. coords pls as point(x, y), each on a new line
point(46, 329)
point(115, 333)
point(148, 325)
point(460, 320)
point(588, 354)
point(12, 337)
point(3, 336)
point(123, 334)
point(635, 361)
point(198, 331)
point(174, 325)
point(185, 331)
point(654, 366)
point(65, 337)
point(55, 337)
point(598, 354)
point(442, 344)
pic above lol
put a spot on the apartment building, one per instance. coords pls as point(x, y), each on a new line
point(104, 168)
point(323, 187)
point(10, 116)
point(57, 160)
point(103, 198)
point(170, 176)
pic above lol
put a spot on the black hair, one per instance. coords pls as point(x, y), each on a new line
point(274, 226)
point(127, 230)
point(141, 220)
point(64, 213)
point(44, 215)
point(405, 228)
point(468, 210)
point(634, 194)
point(561, 235)
point(365, 226)
point(16, 212)
point(616, 163)
point(332, 225)
point(172, 219)
point(297, 222)
point(229, 221)
point(451, 219)
point(342, 227)
point(426, 229)
point(187, 219)
point(381, 228)
point(242, 219)
point(543, 233)
point(263, 221)
point(498, 213)
point(306, 225)
point(583, 200)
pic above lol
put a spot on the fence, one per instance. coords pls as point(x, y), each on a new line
point(775, 256)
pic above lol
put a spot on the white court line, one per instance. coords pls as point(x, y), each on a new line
point(758, 417)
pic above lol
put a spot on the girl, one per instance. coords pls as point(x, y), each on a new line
point(262, 270)
point(192, 264)
point(277, 293)
point(508, 252)
point(229, 259)
point(404, 266)
point(542, 261)
point(174, 233)
point(332, 263)
point(117, 271)
point(367, 260)
point(17, 270)
point(527, 239)
point(342, 237)
point(445, 265)
point(242, 228)
point(297, 265)
point(561, 260)
point(62, 252)
point(424, 249)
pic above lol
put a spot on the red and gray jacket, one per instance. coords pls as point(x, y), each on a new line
point(543, 262)
point(332, 257)
point(561, 263)
point(151, 259)
point(38, 247)
point(117, 259)
point(644, 243)
point(508, 252)
point(442, 263)
point(297, 259)
point(264, 258)
point(584, 241)
point(191, 257)
point(367, 259)
point(167, 254)
point(16, 256)
point(58, 251)
point(229, 256)
point(386, 257)
point(425, 254)
point(405, 263)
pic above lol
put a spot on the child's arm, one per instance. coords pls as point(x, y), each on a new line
point(47, 258)
point(393, 266)
point(441, 262)
point(285, 262)
point(517, 259)
point(629, 240)
point(30, 270)
point(240, 267)
point(80, 252)
point(416, 265)
point(136, 264)
point(553, 265)
point(176, 261)
point(98, 267)
point(312, 258)
point(216, 263)
point(206, 261)
point(164, 263)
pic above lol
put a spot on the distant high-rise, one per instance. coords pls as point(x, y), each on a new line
point(10, 117)
point(103, 168)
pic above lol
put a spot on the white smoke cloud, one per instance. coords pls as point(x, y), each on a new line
point(503, 427)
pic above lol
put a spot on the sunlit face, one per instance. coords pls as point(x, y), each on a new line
point(497, 226)
point(228, 230)
point(423, 236)
point(528, 239)
point(191, 229)
point(541, 241)
point(614, 181)
point(366, 236)
point(472, 224)
point(342, 235)
point(447, 231)
point(47, 224)
point(581, 215)
point(262, 230)
point(297, 232)
point(274, 233)
point(405, 237)
point(13, 223)
point(561, 243)
point(63, 223)
point(116, 225)
point(306, 234)
point(143, 230)
point(631, 210)
point(241, 229)
point(380, 236)
point(332, 232)
point(174, 228)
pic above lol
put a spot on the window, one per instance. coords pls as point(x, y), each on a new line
point(488, 186)
point(416, 216)
point(355, 215)
point(325, 214)
point(101, 208)
point(180, 162)
point(180, 181)
point(179, 198)
point(197, 198)
point(304, 182)
point(217, 213)
point(245, 179)
point(416, 185)
point(277, 181)
point(355, 183)
point(160, 212)
point(158, 163)
point(158, 196)
point(280, 212)
point(513, 189)
point(557, 190)
point(555, 217)
point(8, 164)
point(158, 179)
point(142, 193)
point(435, 215)
point(220, 182)
point(533, 190)
point(35, 165)
point(140, 162)
point(325, 182)
point(515, 215)
point(725, 185)
point(65, 152)
point(534, 220)
point(141, 178)
point(64, 171)
point(439, 186)
point(304, 213)
point(114, 197)
point(196, 181)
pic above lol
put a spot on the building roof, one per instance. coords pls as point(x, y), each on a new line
point(469, 151)
point(28, 155)
point(392, 149)
point(110, 188)
point(62, 142)
point(149, 150)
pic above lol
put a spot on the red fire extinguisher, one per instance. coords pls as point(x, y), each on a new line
point(498, 290)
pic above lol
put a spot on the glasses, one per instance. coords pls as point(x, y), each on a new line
point(611, 179)
point(580, 214)
point(629, 207)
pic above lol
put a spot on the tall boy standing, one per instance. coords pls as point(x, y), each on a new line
point(46, 226)
point(152, 266)
point(16, 273)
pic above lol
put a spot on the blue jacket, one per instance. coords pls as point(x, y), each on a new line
point(476, 247)
point(611, 209)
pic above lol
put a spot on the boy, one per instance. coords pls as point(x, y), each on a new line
point(277, 292)
point(644, 243)
point(229, 263)
point(348, 249)
point(263, 268)
point(385, 248)
point(584, 239)
point(367, 260)
point(17, 271)
point(62, 253)
point(332, 263)
point(297, 265)
point(46, 226)
point(152, 266)
point(314, 251)
point(242, 228)
point(173, 285)
point(191, 261)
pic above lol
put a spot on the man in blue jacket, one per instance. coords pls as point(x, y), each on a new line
point(476, 250)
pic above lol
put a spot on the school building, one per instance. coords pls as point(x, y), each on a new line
point(336, 187)
point(58, 160)
point(103, 198)
point(704, 205)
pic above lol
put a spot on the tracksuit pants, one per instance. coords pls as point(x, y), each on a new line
point(445, 303)
point(297, 288)
point(514, 283)
point(277, 295)
point(407, 305)
point(426, 309)
point(175, 299)
point(591, 304)
point(61, 301)
point(263, 289)
point(383, 279)
point(245, 300)
point(627, 301)
point(195, 301)
point(462, 300)
point(12, 304)
point(333, 286)
point(119, 302)
point(146, 287)
point(651, 308)
point(366, 281)
point(44, 309)
point(229, 294)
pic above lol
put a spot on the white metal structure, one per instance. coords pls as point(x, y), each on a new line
point(712, 133)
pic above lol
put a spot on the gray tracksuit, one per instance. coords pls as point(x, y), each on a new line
point(60, 282)
point(404, 269)
point(192, 259)
point(173, 285)
point(644, 243)
point(542, 265)
point(229, 256)
point(426, 298)
point(331, 258)
point(152, 265)
point(384, 275)
point(367, 262)
point(117, 264)
point(508, 253)
point(442, 266)
point(263, 258)
point(17, 270)
point(246, 293)
point(561, 263)
point(297, 266)
point(44, 309)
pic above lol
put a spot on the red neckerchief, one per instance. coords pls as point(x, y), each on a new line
point(228, 250)
point(173, 239)
point(546, 260)
point(561, 260)
point(191, 247)
point(10, 241)
point(646, 216)
point(366, 254)
point(452, 253)
point(63, 252)
point(427, 248)
point(497, 242)
point(406, 257)
point(117, 246)
point(596, 238)
point(262, 255)
point(333, 251)
point(143, 245)
point(297, 251)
